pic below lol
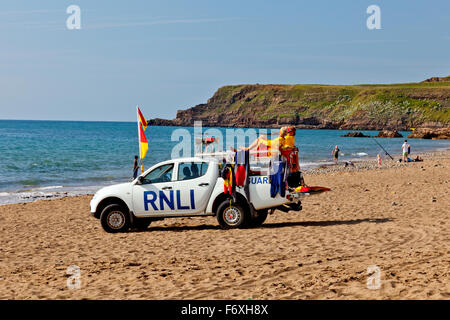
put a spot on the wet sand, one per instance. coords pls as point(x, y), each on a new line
point(395, 217)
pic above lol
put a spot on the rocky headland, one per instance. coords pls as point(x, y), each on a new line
point(394, 107)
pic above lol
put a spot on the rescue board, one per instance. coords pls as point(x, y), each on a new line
point(311, 189)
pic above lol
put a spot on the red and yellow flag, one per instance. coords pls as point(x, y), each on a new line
point(142, 119)
point(143, 143)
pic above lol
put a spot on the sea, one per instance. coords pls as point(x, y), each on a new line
point(48, 159)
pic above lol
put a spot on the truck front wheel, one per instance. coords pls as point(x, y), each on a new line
point(231, 215)
point(114, 218)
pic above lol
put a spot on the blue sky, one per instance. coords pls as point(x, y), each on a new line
point(170, 55)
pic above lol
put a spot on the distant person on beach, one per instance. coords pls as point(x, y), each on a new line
point(135, 167)
point(349, 163)
point(405, 151)
point(335, 154)
point(379, 159)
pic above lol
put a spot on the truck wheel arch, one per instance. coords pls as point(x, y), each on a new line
point(106, 202)
point(222, 197)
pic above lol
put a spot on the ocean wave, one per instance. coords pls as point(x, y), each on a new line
point(31, 182)
point(31, 196)
point(314, 164)
point(360, 154)
point(46, 188)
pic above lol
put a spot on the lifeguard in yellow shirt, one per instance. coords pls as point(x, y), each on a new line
point(262, 143)
point(289, 139)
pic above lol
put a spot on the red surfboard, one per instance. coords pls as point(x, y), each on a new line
point(311, 189)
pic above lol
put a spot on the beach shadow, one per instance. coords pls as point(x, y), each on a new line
point(180, 228)
point(325, 223)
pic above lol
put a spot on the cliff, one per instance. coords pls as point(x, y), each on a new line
point(428, 133)
point(351, 107)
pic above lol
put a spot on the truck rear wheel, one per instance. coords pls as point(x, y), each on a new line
point(259, 219)
point(232, 215)
point(114, 218)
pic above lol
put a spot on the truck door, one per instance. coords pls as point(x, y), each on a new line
point(195, 182)
point(155, 195)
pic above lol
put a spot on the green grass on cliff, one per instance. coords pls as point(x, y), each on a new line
point(417, 102)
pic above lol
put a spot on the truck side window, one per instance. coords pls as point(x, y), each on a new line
point(160, 174)
point(191, 170)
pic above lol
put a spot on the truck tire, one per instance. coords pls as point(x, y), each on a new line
point(259, 219)
point(114, 218)
point(231, 216)
point(141, 223)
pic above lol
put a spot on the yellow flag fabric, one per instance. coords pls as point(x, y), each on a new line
point(143, 143)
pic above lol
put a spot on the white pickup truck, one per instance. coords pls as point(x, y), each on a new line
point(187, 187)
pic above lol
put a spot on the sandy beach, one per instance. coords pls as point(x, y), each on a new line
point(395, 217)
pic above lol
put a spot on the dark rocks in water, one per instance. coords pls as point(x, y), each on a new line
point(389, 134)
point(356, 134)
point(430, 133)
point(160, 122)
point(381, 134)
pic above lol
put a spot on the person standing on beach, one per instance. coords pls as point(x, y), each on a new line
point(135, 167)
point(335, 154)
point(379, 159)
point(405, 150)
